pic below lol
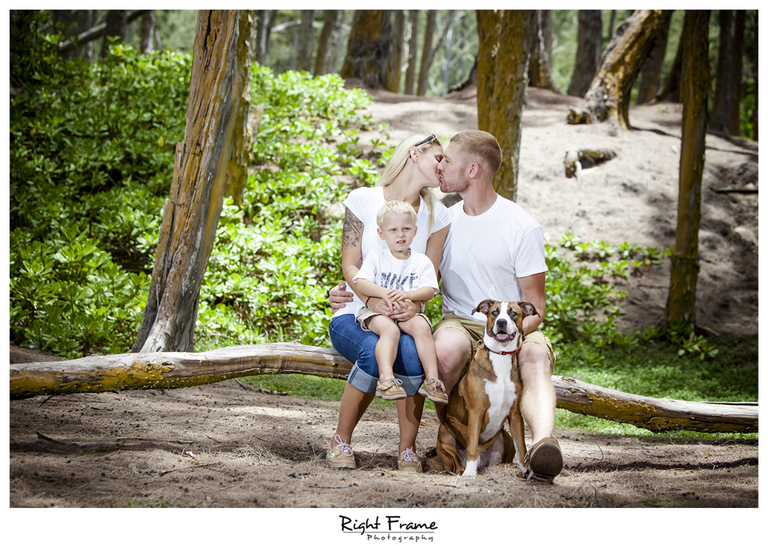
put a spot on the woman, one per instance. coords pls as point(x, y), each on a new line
point(408, 177)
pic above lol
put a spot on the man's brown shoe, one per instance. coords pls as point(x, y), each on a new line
point(544, 460)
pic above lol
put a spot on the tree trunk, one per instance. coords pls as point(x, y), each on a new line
point(329, 21)
point(413, 47)
point(737, 65)
point(755, 116)
point(209, 164)
point(611, 88)
point(264, 20)
point(395, 67)
point(148, 25)
point(650, 75)
point(540, 64)
point(724, 88)
point(590, 44)
point(368, 48)
point(306, 34)
point(112, 373)
point(681, 303)
point(429, 51)
point(502, 69)
point(671, 90)
point(426, 47)
point(116, 21)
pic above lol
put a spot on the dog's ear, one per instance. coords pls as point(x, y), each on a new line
point(483, 307)
point(527, 308)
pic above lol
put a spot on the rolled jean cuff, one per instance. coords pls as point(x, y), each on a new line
point(365, 382)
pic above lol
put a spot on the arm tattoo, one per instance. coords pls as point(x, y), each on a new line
point(352, 232)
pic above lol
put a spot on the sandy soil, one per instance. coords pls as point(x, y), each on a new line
point(224, 446)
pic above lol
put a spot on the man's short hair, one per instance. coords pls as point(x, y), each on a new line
point(398, 207)
point(482, 147)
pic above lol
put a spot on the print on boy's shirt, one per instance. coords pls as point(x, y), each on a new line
point(393, 281)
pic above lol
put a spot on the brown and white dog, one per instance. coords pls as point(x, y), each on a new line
point(472, 437)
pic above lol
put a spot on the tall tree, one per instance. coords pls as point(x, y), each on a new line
point(148, 30)
point(609, 93)
point(650, 74)
point(413, 45)
point(681, 302)
point(429, 50)
point(368, 48)
point(329, 21)
point(671, 90)
point(116, 21)
point(264, 22)
point(540, 64)
point(395, 68)
point(502, 75)
point(736, 68)
point(209, 163)
point(721, 104)
point(306, 35)
point(589, 45)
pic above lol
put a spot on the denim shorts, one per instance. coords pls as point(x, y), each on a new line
point(359, 347)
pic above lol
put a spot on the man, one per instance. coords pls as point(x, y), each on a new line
point(495, 250)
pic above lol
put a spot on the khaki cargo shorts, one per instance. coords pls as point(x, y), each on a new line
point(474, 330)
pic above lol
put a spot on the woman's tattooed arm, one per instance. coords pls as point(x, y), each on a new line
point(352, 232)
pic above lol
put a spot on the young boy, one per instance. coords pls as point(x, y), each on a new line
point(396, 274)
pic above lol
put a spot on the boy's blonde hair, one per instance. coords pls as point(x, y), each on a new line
point(398, 207)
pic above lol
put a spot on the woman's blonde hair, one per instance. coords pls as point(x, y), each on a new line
point(397, 162)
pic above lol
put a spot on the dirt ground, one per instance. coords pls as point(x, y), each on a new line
point(224, 446)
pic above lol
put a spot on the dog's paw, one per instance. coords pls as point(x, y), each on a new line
point(471, 470)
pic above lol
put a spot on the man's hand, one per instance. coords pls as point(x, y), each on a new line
point(338, 296)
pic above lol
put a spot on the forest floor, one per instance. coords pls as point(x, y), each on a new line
point(222, 445)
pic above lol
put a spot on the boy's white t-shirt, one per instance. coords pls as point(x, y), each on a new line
point(485, 255)
point(365, 204)
point(382, 268)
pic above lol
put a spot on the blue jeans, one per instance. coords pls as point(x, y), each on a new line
point(359, 347)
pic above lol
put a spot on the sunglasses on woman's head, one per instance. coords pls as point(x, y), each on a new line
point(430, 138)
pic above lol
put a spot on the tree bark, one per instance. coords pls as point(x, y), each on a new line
point(429, 51)
point(395, 68)
point(413, 47)
point(737, 65)
point(306, 41)
point(502, 67)
point(590, 44)
point(210, 163)
point(426, 48)
point(610, 90)
point(650, 75)
point(721, 104)
point(112, 373)
point(540, 64)
point(148, 25)
point(368, 48)
point(116, 21)
point(681, 303)
point(264, 20)
point(671, 90)
point(329, 21)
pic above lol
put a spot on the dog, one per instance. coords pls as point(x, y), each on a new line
point(472, 437)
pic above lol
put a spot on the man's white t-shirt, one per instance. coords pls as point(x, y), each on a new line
point(382, 268)
point(365, 204)
point(485, 255)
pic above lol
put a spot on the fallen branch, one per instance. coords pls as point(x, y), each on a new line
point(174, 370)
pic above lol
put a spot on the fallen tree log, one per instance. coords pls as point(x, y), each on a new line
point(175, 370)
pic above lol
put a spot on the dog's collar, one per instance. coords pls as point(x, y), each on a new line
point(503, 352)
